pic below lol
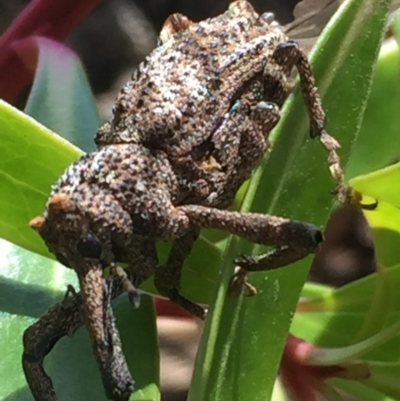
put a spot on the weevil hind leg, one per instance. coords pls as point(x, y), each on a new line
point(288, 54)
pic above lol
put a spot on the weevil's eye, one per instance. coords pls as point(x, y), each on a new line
point(89, 247)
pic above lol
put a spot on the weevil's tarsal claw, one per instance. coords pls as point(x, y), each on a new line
point(354, 198)
point(369, 206)
point(240, 284)
point(191, 307)
point(133, 292)
point(347, 195)
point(70, 291)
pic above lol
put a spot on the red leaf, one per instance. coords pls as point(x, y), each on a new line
point(53, 19)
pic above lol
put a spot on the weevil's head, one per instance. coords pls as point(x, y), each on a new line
point(83, 220)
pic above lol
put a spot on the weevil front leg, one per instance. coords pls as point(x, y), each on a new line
point(168, 277)
point(64, 319)
point(293, 240)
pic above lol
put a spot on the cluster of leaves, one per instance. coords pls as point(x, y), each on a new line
point(341, 340)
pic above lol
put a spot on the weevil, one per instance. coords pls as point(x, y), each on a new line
point(187, 130)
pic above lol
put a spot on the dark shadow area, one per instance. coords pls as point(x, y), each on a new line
point(348, 250)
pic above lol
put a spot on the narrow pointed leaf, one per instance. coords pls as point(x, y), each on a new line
point(60, 97)
point(243, 338)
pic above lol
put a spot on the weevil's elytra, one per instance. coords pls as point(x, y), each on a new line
point(187, 131)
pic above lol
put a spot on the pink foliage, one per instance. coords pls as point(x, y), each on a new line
point(19, 50)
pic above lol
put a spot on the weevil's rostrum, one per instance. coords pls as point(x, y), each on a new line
point(186, 132)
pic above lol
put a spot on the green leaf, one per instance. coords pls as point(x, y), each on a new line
point(199, 275)
point(60, 97)
point(378, 143)
point(395, 28)
point(366, 310)
point(382, 385)
point(33, 159)
point(352, 313)
point(384, 377)
point(243, 338)
point(311, 290)
point(378, 146)
point(359, 317)
point(381, 186)
point(360, 391)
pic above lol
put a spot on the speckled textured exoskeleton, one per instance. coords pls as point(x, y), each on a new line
point(187, 131)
